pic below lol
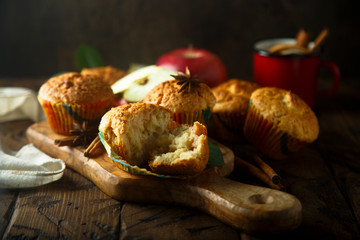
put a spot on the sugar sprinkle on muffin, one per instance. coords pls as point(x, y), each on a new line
point(187, 106)
point(108, 74)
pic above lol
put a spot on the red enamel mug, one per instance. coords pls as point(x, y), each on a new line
point(295, 72)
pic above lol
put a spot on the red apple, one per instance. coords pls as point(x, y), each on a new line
point(209, 68)
point(119, 100)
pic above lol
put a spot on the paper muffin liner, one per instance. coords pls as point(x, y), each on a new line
point(267, 138)
point(227, 128)
point(133, 169)
point(232, 121)
point(202, 116)
point(62, 117)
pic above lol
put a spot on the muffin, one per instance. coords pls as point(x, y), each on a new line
point(72, 98)
point(108, 74)
point(187, 105)
point(279, 122)
point(144, 135)
point(230, 110)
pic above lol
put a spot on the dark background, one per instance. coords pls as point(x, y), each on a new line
point(39, 37)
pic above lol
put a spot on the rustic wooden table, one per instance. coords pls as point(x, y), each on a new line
point(324, 176)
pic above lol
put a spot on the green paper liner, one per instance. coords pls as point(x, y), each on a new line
point(61, 116)
point(267, 138)
point(133, 169)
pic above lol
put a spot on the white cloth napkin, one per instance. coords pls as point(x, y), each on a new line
point(19, 103)
point(29, 167)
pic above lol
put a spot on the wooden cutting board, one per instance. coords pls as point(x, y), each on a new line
point(249, 208)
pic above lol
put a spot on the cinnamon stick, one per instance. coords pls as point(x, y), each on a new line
point(320, 39)
point(302, 38)
point(258, 173)
point(68, 141)
point(94, 149)
point(281, 47)
point(275, 178)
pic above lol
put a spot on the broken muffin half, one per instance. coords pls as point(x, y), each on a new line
point(145, 134)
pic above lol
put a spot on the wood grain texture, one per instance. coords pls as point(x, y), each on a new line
point(325, 202)
point(168, 222)
point(7, 202)
point(70, 208)
point(242, 206)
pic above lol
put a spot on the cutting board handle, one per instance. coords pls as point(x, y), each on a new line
point(247, 207)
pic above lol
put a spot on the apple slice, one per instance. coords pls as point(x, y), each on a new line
point(140, 87)
point(138, 75)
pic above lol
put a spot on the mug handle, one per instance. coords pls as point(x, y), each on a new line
point(336, 78)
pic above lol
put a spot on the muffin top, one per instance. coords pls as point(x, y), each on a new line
point(233, 96)
point(117, 118)
point(107, 73)
point(167, 94)
point(75, 88)
point(287, 111)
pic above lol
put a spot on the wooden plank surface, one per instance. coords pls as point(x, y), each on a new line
point(173, 223)
point(323, 176)
point(71, 208)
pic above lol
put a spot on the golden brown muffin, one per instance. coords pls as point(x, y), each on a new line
point(233, 96)
point(108, 74)
point(140, 133)
point(75, 88)
point(72, 98)
point(187, 107)
point(279, 122)
point(232, 103)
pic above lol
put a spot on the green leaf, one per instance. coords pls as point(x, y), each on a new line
point(207, 114)
point(88, 57)
point(215, 155)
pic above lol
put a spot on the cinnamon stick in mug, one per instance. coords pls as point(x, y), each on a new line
point(302, 38)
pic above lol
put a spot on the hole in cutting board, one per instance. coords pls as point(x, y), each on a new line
point(261, 199)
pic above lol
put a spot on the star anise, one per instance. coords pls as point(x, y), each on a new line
point(186, 80)
point(83, 134)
